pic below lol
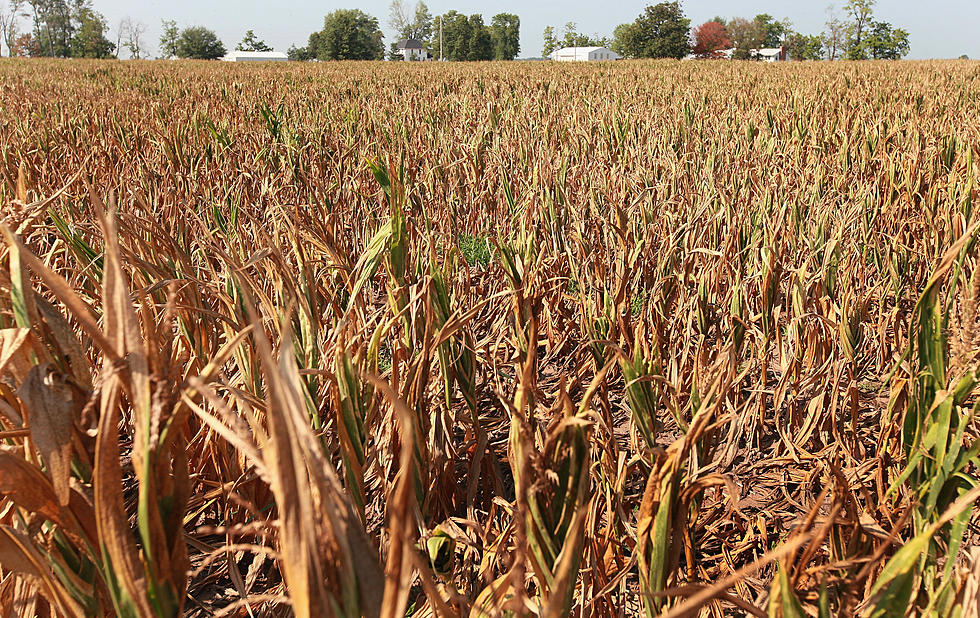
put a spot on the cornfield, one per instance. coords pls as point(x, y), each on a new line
point(363, 339)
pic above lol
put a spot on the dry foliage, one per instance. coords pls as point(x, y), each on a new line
point(673, 339)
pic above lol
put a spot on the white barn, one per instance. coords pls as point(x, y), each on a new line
point(583, 54)
point(255, 56)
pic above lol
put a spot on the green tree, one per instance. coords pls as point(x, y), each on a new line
point(481, 45)
point(574, 38)
point(89, 40)
point(300, 54)
point(252, 43)
point(804, 46)
point(661, 31)
point(65, 28)
point(199, 43)
point(771, 32)
point(409, 24)
point(550, 42)
point(883, 42)
point(169, 38)
point(456, 35)
point(53, 26)
point(348, 34)
point(505, 32)
point(620, 36)
point(464, 38)
point(422, 23)
point(860, 12)
point(745, 35)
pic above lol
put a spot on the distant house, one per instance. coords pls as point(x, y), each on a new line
point(255, 56)
point(583, 54)
point(412, 50)
point(772, 54)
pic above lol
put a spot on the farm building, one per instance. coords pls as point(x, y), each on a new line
point(255, 56)
point(412, 50)
point(772, 54)
point(583, 54)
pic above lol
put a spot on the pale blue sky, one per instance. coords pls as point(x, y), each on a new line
point(938, 28)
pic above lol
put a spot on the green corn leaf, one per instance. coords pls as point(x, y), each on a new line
point(371, 259)
point(783, 602)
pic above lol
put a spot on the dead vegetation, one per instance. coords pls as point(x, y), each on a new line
point(673, 339)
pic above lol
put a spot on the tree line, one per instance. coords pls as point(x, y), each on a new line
point(65, 29)
point(856, 36)
point(351, 34)
point(73, 28)
point(663, 31)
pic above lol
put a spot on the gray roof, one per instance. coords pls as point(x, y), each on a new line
point(409, 44)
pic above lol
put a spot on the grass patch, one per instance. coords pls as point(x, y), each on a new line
point(475, 249)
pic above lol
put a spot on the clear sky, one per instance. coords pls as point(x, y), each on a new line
point(938, 28)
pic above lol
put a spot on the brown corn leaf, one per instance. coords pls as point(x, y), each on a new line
point(121, 555)
point(50, 410)
point(67, 342)
point(80, 310)
point(18, 554)
point(21, 193)
point(15, 352)
point(27, 487)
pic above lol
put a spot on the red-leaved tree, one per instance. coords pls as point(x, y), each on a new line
point(710, 38)
point(26, 46)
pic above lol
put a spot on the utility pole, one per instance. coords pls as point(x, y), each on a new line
point(440, 39)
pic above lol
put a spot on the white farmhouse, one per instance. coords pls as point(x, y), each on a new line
point(255, 56)
point(772, 54)
point(412, 50)
point(583, 54)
